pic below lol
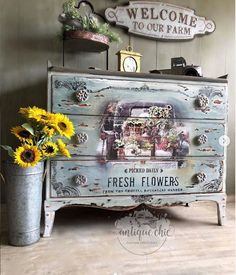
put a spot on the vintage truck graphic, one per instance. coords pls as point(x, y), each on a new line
point(142, 129)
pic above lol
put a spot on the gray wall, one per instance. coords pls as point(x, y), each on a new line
point(29, 37)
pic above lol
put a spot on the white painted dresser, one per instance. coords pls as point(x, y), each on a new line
point(140, 139)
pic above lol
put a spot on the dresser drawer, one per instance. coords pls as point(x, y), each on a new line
point(75, 94)
point(91, 178)
point(139, 139)
point(144, 137)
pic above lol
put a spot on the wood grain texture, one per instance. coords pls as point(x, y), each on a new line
point(33, 39)
point(94, 146)
point(121, 180)
point(97, 60)
point(103, 90)
point(198, 245)
point(144, 45)
point(133, 177)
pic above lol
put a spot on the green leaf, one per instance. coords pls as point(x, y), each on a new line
point(8, 149)
point(28, 127)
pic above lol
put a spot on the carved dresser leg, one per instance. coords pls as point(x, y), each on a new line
point(221, 211)
point(49, 220)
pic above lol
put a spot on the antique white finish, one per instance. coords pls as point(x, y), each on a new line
point(115, 203)
point(175, 124)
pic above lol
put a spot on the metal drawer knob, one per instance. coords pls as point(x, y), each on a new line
point(80, 180)
point(200, 177)
point(202, 139)
point(81, 138)
point(81, 95)
point(202, 101)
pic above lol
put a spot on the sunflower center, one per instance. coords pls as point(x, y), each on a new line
point(28, 156)
point(44, 117)
point(62, 125)
point(49, 150)
point(24, 134)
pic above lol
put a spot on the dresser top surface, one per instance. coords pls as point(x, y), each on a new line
point(93, 72)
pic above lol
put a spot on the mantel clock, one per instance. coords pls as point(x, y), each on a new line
point(129, 61)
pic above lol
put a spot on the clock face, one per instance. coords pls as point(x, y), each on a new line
point(130, 64)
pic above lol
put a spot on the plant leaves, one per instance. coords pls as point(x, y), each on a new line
point(8, 149)
point(28, 127)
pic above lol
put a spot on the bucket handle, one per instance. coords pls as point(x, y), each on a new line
point(45, 173)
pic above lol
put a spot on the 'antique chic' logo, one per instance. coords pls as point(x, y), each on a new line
point(143, 233)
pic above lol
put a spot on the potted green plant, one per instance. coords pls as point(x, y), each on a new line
point(39, 141)
point(119, 146)
point(81, 22)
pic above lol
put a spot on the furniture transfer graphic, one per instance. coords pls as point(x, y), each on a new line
point(139, 139)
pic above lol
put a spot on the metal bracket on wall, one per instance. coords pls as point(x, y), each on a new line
point(83, 40)
point(63, 53)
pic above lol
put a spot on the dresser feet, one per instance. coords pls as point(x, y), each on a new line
point(221, 211)
point(49, 220)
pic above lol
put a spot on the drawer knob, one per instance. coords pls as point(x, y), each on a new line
point(202, 139)
point(80, 180)
point(200, 177)
point(202, 101)
point(81, 138)
point(81, 95)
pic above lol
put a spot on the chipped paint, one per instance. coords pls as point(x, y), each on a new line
point(84, 105)
point(128, 203)
point(140, 88)
point(142, 198)
point(211, 130)
point(212, 165)
point(130, 178)
point(100, 138)
point(105, 177)
point(206, 149)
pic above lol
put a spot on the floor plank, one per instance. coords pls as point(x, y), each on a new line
point(84, 242)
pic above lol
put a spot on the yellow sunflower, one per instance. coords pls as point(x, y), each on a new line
point(24, 111)
point(29, 142)
point(62, 148)
point(38, 114)
point(49, 130)
point(49, 149)
point(63, 125)
point(27, 156)
point(22, 134)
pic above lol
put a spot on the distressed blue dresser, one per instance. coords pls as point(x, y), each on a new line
point(140, 139)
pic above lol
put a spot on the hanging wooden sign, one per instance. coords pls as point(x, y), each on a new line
point(159, 20)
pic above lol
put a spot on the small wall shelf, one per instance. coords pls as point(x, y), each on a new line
point(88, 41)
point(84, 41)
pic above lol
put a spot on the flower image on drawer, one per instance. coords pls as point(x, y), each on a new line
point(144, 129)
point(152, 130)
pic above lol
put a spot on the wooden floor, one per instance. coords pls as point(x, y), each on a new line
point(84, 242)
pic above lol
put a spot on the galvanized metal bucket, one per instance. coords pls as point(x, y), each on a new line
point(24, 200)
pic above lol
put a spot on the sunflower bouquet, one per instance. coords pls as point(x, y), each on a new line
point(39, 136)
